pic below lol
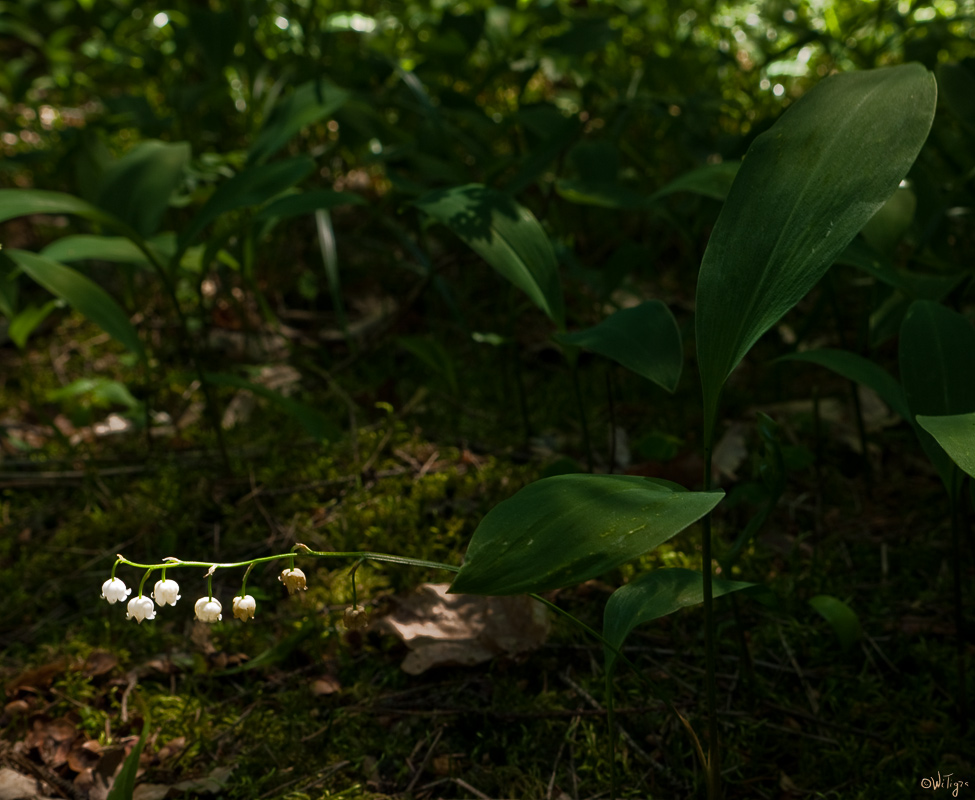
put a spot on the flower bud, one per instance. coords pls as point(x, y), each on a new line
point(293, 579)
point(141, 608)
point(356, 618)
point(208, 609)
point(244, 607)
point(114, 590)
point(166, 591)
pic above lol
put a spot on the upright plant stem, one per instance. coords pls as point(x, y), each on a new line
point(582, 414)
point(714, 753)
point(960, 637)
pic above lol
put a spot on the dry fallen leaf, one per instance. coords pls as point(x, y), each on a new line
point(98, 663)
point(454, 629)
point(212, 783)
point(14, 786)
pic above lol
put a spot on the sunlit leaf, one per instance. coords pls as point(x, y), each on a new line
point(804, 190)
point(504, 234)
point(80, 293)
point(956, 434)
point(644, 339)
point(563, 530)
point(137, 187)
point(653, 595)
point(842, 619)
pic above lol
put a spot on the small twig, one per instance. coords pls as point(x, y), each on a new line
point(810, 694)
point(595, 704)
point(426, 759)
point(465, 785)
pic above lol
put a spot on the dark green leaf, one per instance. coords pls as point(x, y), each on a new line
point(653, 595)
point(937, 363)
point(23, 202)
point(137, 187)
point(294, 205)
point(956, 435)
point(804, 190)
point(606, 194)
point(504, 234)
point(307, 104)
point(644, 339)
point(859, 369)
point(80, 293)
point(566, 529)
point(99, 248)
point(713, 181)
point(252, 187)
point(124, 783)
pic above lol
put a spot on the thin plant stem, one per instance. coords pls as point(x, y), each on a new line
point(582, 414)
point(960, 637)
point(714, 752)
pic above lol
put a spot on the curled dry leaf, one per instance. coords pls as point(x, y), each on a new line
point(99, 663)
point(454, 629)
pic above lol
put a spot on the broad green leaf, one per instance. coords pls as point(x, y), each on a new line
point(862, 370)
point(504, 234)
point(24, 202)
point(937, 363)
point(956, 435)
point(644, 339)
point(252, 187)
point(567, 529)
point(80, 293)
point(311, 419)
point(653, 595)
point(804, 190)
point(307, 104)
point(137, 187)
point(842, 618)
point(294, 205)
point(713, 181)
point(98, 248)
point(24, 323)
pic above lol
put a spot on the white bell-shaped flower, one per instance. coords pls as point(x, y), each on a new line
point(208, 609)
point(244, 607)
point(114, 590)
point(166, 591)
point(294, 579)
point(141, 608)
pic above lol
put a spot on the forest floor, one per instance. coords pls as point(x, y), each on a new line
point(293, 705)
